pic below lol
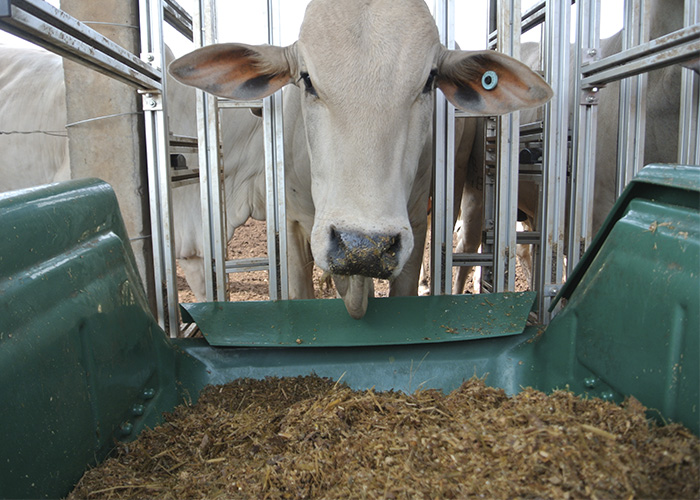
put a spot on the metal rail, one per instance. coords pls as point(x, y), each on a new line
point(43, 24)
point(442, 224)
point(178, 18)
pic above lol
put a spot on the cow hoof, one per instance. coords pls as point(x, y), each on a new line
point(352, 253)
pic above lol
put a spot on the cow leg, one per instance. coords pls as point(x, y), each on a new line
point(469, 179)
point(300, 263)
point(193, 268)
point(423, 281)
point(469, 232)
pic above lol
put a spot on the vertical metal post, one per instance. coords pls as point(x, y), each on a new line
point(555, 152)
point(210, 175)
point(444, 143)
point(157, 156)
point(632, 117)
point(689, 132)
point(584, 133)
point(274, 174)
point(508, 42)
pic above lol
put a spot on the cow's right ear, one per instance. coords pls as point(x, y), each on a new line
point(236, 71)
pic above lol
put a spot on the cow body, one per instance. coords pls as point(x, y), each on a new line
point(33, 138)
point(661, 138)
point(358, 162)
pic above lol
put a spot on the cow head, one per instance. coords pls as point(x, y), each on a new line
point(366, 71)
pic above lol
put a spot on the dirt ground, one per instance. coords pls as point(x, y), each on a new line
point(250, 241)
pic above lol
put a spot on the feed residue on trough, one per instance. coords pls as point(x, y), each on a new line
point(310, 437)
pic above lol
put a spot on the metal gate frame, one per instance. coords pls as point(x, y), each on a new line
point(213, 196)
point(51, 28)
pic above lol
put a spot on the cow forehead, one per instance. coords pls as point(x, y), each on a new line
point(373, 38)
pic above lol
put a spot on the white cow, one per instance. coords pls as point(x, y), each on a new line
point(34, 146)
point(360, 105)
point(663, 103)
point(33, 138)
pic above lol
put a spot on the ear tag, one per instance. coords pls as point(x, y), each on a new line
point(489, 80)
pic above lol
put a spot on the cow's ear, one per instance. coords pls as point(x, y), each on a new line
point(236, 71)
point(489, 83)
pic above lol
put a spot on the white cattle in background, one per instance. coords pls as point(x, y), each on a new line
point(33, 138)
point(34, 148)
point(663, 103)
point(360, 107)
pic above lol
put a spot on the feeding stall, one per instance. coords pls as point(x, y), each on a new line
point(85, 363)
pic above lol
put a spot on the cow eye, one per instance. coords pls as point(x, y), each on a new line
point(429, 84)
point(309, 87)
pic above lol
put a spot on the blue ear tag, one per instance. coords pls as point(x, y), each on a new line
point(489, 80)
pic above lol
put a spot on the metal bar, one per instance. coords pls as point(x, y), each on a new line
point(584, 134)
point(212, 196)
point(689, 133)
point(158, 162)
point(183, 141)
point(555, 152)
point(632, 112)
point(273, 125)
point(227, 103)
point(247, 265)
point(43, 24)
point(443, 185)
point(472, 259)
point(679, 46)
point(534, 16)
point(509, 29)
point(177, 17)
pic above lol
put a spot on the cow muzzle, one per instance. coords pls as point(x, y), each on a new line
point(353, 253)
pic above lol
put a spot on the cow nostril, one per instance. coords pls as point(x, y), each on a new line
point(394, 245)
point(366, 255)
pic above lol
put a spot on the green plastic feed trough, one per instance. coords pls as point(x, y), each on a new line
point(83, 363)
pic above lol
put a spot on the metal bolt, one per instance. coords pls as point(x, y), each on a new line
point(137, 410)
point(590, 98)
point(592, 52)
point(607, 396)
point(126, 428)
point(152, 103)
point(590, 382)
point(151, 58)
point(148, 393)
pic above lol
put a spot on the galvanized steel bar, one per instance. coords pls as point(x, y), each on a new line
point(632, 112)
point(212, 196)
point(158, 163)
point(689, 132)
point(583, 134)
point(508, 42)
point(43, 24)
point(178, 18)
point(442, 226)
point(555, 153)
point(678, 46)
point(273, 130)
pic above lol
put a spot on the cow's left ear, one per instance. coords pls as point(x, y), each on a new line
point(489, 83)
point(233, 70)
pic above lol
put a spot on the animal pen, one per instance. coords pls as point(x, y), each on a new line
point(102, 339)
